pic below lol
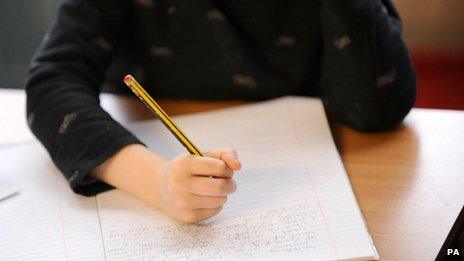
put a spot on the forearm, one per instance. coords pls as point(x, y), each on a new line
point(134, 169)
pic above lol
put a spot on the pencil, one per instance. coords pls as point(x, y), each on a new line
point(160, 114)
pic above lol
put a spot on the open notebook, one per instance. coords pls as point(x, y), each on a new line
point(294, 199)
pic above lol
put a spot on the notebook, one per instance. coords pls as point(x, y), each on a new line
point(294, 200)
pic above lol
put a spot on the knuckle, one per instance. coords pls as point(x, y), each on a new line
point(178, 160)
point(176, 167)
point(222, 167)
point(181, 162)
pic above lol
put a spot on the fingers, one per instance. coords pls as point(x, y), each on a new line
point(190, 208)
point(195, 202)
point(204, 166)
point(191, 195)
point(208, 202)
point(198, 215)
point(205, 186)
point(229, 156)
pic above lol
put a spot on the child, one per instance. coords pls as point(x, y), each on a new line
point(350, 53)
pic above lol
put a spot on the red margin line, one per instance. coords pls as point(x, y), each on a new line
point(310, 179)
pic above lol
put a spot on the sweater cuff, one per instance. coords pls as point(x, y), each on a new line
point(80, 180)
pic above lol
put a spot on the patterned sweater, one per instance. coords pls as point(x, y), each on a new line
point(350, 53)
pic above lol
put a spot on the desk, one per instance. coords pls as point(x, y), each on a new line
point(409, 182)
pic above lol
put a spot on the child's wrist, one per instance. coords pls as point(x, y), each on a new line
point(133, 169)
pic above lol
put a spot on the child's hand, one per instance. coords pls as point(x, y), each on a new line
point(193, 188)
point(188, 188)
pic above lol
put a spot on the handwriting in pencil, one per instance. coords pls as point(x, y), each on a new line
point(281, 230)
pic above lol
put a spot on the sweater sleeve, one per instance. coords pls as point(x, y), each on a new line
point(368, 81)
point(62, 90)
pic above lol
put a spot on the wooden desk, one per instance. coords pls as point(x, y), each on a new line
point(409, 182)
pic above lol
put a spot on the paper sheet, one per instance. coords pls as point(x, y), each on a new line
point(293, 195)
point(46, 221)
point(293, 200)
point(8, 186)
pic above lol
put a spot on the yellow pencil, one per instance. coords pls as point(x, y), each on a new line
point(156, 109)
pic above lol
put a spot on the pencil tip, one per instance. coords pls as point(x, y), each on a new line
point(128, 79)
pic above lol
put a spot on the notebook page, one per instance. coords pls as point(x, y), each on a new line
point(46, 220)
point(330, 183)
point(8, 186)
point(293, 197)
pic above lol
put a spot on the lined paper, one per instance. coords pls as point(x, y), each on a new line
point(8, 186)
point(293, 199)
point(46, 221)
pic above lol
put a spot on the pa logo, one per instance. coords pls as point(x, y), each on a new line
point(452, 252)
